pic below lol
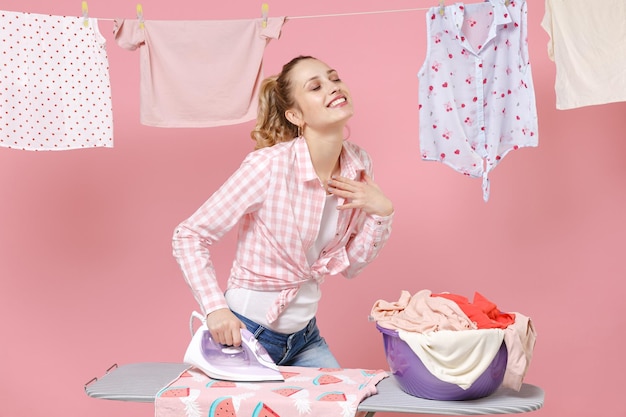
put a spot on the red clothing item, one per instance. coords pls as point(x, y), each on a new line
point(481, 311)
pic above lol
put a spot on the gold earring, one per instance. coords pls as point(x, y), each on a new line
point(299, 131)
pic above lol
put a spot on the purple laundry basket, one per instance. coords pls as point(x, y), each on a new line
point(415, 379)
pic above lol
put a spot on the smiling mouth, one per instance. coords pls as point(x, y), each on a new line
point(336, 102)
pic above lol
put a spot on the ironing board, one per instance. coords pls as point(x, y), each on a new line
point(140, 382)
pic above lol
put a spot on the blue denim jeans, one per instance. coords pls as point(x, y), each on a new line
point(303, 348)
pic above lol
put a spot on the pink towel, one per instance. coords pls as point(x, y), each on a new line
point(421, 313)
point(312, 392)
point(520, 340)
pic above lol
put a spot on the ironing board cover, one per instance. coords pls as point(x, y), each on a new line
point(307, 392)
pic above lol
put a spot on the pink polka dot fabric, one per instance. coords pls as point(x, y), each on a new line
point(55, 91)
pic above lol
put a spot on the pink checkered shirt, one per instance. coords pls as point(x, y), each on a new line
point(277, 198)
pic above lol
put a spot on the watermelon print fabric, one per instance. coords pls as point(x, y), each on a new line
point(307, 392)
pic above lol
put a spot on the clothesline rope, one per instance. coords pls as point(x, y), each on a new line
point(359, 13)
point(336, 14)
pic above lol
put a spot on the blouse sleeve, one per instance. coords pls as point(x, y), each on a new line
point(127, 34)
point(242, 193)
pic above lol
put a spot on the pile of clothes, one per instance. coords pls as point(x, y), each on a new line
point(430, 324)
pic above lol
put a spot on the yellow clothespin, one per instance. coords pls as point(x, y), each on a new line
point(140, 16)
point(507, 3)
point(265, 8)
point(85, 14)
point(442, 7)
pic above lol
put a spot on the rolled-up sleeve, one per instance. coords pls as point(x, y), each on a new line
point(367, 243)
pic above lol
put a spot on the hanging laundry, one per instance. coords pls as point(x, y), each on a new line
point(198, 73)
point(588, 46)
point(476, 94)
point(55, 89)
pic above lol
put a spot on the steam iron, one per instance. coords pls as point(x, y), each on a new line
point(245, 363)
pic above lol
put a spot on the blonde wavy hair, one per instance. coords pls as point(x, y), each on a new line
point(276, 97)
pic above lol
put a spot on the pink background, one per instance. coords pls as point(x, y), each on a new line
point(87, 276)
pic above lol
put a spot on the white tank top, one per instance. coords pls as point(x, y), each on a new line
point(255, 304)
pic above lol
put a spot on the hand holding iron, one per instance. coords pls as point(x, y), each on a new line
point(225, 327)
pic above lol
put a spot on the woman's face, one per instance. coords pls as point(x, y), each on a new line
point(322, 100)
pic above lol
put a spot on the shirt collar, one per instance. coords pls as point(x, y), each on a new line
point(501, 14)
point(351, 164)
point(304, 169)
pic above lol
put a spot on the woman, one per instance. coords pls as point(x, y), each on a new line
point(306, 206)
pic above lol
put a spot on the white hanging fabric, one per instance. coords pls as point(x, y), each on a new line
point(55, 89)
point(588, 46)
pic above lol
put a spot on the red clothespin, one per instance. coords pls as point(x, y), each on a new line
point(265, 8)
point(85, 14)
point(140, 16)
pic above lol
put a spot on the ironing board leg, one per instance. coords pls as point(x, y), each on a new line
point(370, 414)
